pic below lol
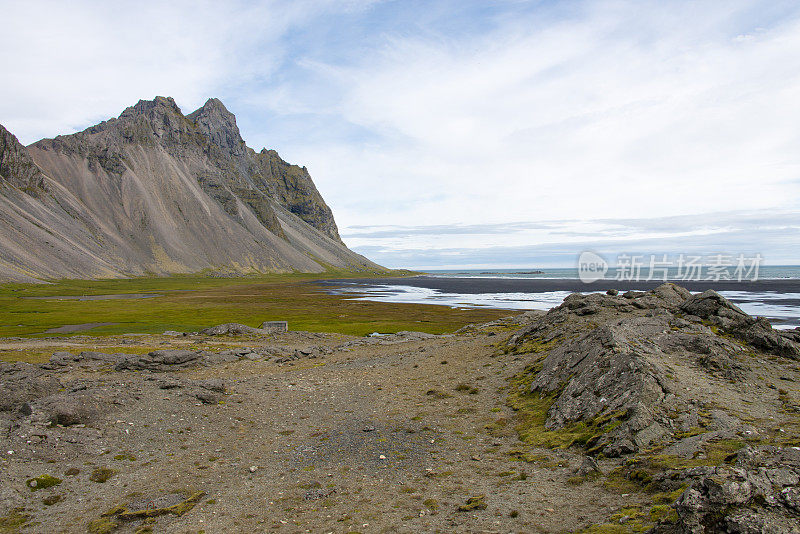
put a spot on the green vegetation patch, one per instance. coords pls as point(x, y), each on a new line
point(636, 476)
point(635, 518)
point(466, 388)
point(41, 482)
point(534, 346)
point(176, 509)
point(714, 453)
point(191, 303)
point(116, 516)
point(12, 522)
point(631, 519)
point(531, 410)
point(473, 503)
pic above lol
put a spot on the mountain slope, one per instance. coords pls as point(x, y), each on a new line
point(157, 192)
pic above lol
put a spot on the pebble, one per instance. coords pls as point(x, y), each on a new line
point(253, 468)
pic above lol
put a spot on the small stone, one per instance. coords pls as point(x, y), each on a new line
point(253, 468)
point(50, 500)
point(207, 397)
point(381, 457)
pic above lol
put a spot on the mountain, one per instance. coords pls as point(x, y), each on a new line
point(158, 192)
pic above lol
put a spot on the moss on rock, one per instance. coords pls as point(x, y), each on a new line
point(41, 482)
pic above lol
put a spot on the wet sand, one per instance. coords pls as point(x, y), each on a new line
point(71, 328)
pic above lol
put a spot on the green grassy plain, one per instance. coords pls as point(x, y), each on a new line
point(191, 303)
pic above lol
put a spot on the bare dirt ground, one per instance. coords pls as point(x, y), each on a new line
point(354, 435)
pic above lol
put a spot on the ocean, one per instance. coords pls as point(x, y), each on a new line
point(765, 272)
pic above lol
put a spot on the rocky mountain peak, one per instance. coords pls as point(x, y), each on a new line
point(160, 105)
point(159, 120)
point(219, 124)
point(16, 165)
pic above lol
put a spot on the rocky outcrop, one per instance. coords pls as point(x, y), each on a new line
point(620, 363)
point(26, 382)
point(219, 125)
point(157, 192)
point(21, 383)
point(718, 311)
point(692, 399)
point(759, 491)
point(71, 408)
point(293, 188)
point(160, 360)
point(232, 329)
point(16, 166)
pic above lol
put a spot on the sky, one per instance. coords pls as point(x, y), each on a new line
point(463, 134)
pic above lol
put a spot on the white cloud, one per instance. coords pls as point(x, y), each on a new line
point(558, 243)
point(67, 65)
point(622, 112)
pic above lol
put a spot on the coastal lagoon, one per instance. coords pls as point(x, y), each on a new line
point(775, 295)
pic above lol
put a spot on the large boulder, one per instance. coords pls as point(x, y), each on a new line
point(760, 334)
point(161, 360)
point(84, 359)
point(275, 326)
point(711, 304)
point(231, 329)
point(71, 408)
point(21, 383)
point(716, 310)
